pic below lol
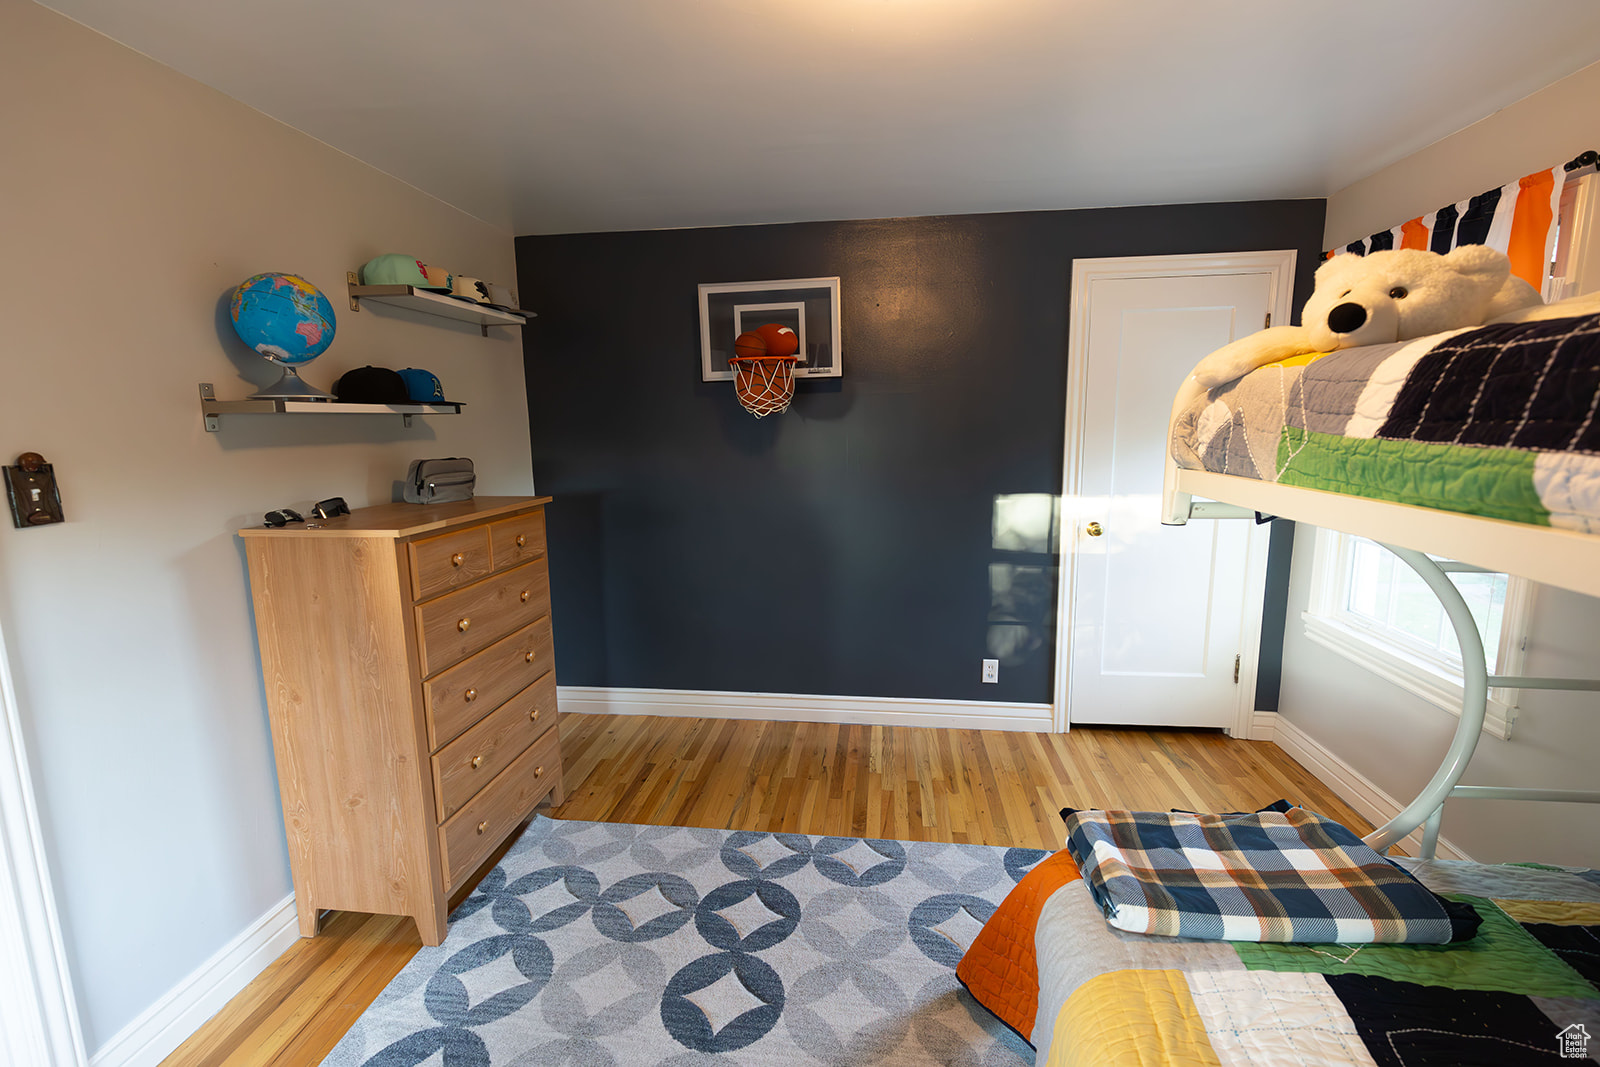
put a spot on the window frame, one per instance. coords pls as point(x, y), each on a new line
point(1436, 679)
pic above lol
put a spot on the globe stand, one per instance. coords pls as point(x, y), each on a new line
point(290, 387)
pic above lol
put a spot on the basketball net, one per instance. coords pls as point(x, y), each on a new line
point(764, 384)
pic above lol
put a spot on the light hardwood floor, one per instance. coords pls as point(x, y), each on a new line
point(980, 787)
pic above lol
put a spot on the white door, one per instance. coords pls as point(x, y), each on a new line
point(1160, 623)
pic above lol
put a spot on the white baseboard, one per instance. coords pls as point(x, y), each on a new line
point(170, 1021)
point(804, 707)
point(1354, 788)
point(1264, 726)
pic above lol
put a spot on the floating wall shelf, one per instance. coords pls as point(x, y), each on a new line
point(213, 409)
point(444, 307)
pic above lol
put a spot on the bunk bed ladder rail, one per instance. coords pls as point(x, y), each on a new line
point(1428, 807)
point(1427, 810)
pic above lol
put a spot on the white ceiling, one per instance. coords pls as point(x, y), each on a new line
point(547, 117)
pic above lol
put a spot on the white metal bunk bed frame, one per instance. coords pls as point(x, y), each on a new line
point(1560, 558)
point(1565, 559)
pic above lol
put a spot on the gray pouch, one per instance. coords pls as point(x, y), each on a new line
point(437, 481)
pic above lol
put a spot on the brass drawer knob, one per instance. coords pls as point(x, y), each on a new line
point(477, 761)
point(533, 716)
point(538, 771)
point(483, 826)
point(521, 540)
point(525, 596)
point(470, 695)
point(1094, 529)
point(527, 657)
point(463, 623)
point(457, 560)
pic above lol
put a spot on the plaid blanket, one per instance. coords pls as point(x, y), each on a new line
point(1288, 875)
point(1497, 420)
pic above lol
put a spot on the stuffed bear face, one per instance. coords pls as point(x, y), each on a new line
point(1401, 294)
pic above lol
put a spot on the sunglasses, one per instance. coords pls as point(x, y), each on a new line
point(322, 509)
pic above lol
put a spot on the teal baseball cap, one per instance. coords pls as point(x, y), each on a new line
point(423, 386)
point(395, 268)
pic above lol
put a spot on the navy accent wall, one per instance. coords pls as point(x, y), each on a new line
point(847, 547)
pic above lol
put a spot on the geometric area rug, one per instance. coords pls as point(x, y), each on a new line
point(615, 945)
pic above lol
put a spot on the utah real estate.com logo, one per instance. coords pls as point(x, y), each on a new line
point(1574, 1042)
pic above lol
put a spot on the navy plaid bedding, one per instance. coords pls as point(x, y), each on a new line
point(1496, 420)
point(1288, 875)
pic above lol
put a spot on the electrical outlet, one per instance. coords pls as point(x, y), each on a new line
point(991, 670)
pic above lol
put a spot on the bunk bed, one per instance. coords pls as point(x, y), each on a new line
point(1526, 989)
point(1294, 399)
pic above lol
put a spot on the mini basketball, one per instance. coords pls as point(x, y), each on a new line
point(749, 344)
point(781, 341)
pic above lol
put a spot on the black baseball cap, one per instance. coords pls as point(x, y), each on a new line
point(371, 385)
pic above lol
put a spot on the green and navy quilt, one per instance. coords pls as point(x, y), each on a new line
point(1495, 420)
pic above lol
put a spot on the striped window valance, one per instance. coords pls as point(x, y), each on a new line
point(1518, 218)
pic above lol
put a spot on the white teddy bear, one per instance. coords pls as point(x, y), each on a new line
point(1384, 297)
point(1379, 298)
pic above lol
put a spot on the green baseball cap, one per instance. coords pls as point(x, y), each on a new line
point(394, 268)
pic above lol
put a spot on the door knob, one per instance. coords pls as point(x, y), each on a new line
point(1093, 529)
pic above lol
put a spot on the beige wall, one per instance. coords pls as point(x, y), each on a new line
point(1392, 737)
point(1543, 130)
point(131, 200)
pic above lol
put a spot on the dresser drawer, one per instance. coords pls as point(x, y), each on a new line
point(468, 837)
point(462, 695)
point(449, 561)
point(517, 539)
point(454, 626)
point(466, 764)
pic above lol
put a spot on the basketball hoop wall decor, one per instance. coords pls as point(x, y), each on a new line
point(764, 384)
point(809, 307)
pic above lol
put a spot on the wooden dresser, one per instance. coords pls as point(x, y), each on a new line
point(409, 669)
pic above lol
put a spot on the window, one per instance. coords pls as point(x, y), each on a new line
point(1369, 607)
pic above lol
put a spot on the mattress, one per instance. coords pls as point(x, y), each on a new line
point(1497, 421)
point(1524, 990)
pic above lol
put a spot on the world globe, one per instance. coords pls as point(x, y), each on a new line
point(288, 321)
